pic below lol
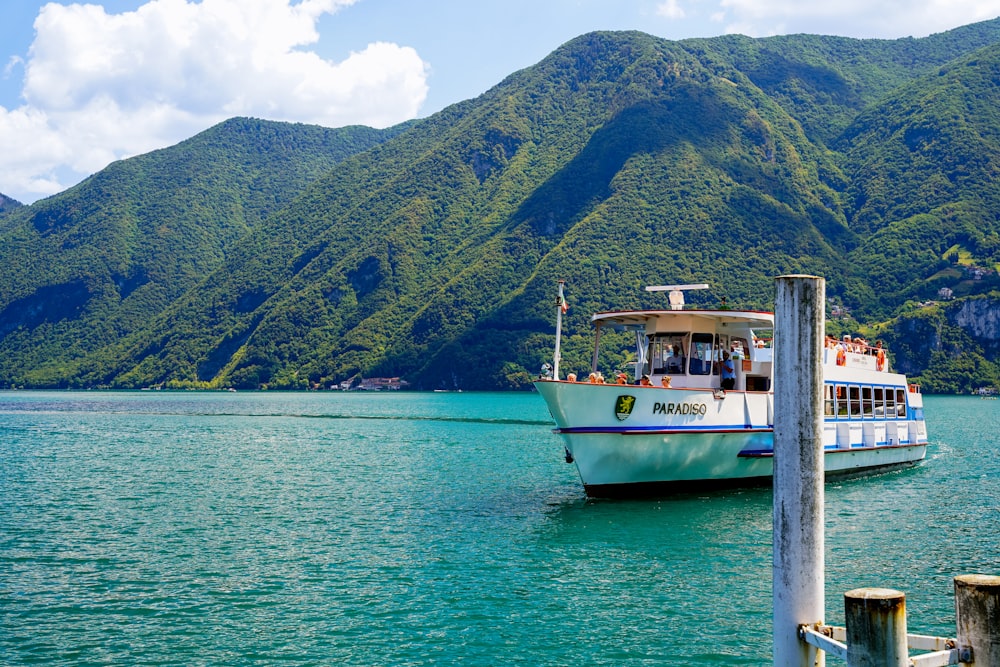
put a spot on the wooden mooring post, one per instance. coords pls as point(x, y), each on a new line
point(798, 534)
point(876, 627)
point(876, 633)
point(977, 618)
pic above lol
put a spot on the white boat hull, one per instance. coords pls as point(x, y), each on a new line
point(628, 440)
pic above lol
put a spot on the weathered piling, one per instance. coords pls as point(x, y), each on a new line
point(798, 535)
point(977, 617)
point(876, 628)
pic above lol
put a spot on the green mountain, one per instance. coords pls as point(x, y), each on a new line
point(97, 262)
point(287, 256)
point(921, 168)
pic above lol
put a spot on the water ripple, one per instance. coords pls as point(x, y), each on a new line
point(418, 530)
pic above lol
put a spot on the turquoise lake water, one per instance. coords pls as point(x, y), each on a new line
point(425, 529)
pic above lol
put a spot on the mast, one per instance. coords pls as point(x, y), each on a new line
point(561, 308)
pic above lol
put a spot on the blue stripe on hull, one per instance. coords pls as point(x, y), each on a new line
point(637, 430)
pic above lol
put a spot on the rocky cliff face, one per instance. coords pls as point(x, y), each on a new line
point(980, 318)
point(911, 342)
point(961, 334)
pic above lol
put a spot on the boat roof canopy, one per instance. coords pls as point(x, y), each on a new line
point(637, 319)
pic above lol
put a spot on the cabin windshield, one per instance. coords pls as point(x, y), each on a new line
point(702, 354)
point(667, 353)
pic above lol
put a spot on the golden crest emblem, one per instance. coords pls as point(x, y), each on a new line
point(623, 407)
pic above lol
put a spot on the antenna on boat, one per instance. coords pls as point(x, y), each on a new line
point(676, 293)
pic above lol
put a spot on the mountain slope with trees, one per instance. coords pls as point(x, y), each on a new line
point(294, 256)
point(922, 169)
point(98, 261)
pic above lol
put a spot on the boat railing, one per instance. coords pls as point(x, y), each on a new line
point(857, 346)
point(856, 353)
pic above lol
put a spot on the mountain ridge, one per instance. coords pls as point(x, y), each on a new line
point(430, 250)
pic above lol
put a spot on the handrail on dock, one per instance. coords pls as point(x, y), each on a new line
point(941, 650)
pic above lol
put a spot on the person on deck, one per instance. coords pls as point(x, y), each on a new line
point(675, 364)
point(728, 371)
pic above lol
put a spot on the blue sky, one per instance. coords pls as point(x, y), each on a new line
point(82, 85)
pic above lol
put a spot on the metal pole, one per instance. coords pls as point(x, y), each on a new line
point(597, 347)
point(876, 628)
point(559, 313)
point(977, 617)
point(798, 567)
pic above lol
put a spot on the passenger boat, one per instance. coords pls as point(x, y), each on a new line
point(634, 439)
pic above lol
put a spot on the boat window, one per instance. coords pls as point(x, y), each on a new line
point(739, 346)
point(762, 337)
point(667, 353)
point(702, 354)
point(841, 401)
point(829, 402)
point(901, 403)
point(879, 403)
point(721, 344)
point(890, 404)
point(866, 402)
point(854, 397)
point(654, 358)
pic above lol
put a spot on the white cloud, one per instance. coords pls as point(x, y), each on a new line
point(99, 87)
point(889, 19)
point(670, 9)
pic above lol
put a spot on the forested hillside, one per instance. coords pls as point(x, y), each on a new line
point(97, 262)
point(265, 254)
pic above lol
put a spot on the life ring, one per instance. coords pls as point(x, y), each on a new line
point(880, 360)
point(841, 356)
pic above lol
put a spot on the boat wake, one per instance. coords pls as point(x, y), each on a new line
point(428, 418)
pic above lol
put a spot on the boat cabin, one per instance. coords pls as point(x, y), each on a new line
point(688, 345)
